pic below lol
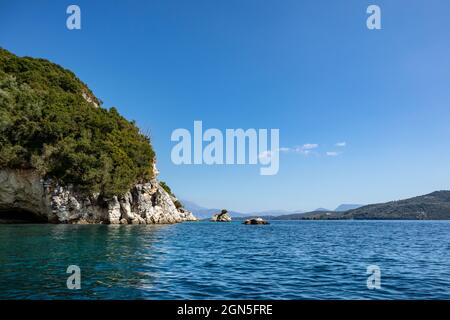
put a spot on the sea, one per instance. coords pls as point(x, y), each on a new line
point(291, 260)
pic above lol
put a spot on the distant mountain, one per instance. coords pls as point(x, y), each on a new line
point(295, 215)
point(206, 213)
point(274, 212)
point(299, 215)
point(433, 206)
point(346, 207)
point(302, 215)
point(322, 209)
point(191, 206)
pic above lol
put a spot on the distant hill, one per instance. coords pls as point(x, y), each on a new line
point(291, 216)
point(433, 206)
point(302, 215)
point(346, 207)
point(322, 209)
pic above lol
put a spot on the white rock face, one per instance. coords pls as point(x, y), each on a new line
point(89, 99)
point(146, 203)
point(221, 217)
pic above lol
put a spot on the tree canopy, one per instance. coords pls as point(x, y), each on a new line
point(51, 122)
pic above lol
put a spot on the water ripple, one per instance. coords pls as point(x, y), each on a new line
point(283, 260)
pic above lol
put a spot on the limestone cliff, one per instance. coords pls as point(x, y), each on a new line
point(47, 201)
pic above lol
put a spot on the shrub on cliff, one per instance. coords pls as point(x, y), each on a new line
point(165, 187)
point(178, 204)
point(49, 122)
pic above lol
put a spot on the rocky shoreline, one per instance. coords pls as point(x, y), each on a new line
point(48, 201)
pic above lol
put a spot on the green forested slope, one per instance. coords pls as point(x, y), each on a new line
point(49, 122)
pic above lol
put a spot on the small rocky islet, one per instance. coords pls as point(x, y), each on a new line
point(223, 216)
point(255, 221)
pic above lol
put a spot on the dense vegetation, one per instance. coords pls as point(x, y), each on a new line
point(49, 121)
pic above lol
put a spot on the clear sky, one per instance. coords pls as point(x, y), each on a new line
point(310, 68)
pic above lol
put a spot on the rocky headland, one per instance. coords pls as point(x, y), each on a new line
point(44, 200)
point(66, 159)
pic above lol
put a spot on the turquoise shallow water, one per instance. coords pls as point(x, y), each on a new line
point(204, 260)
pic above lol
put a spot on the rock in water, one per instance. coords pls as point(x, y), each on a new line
point(256, 221)
point(221, 217)
point(46, 200)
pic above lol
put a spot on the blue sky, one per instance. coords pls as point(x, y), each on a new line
point(310, 68)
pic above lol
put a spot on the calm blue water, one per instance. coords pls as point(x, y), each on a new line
point(204, 260)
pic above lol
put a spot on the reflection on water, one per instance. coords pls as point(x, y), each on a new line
point(284, 260)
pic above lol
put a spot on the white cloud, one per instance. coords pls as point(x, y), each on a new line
point(265, 155)
point(332, 153)
point(268, 154)
point(306, 148)
point(309, 146)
